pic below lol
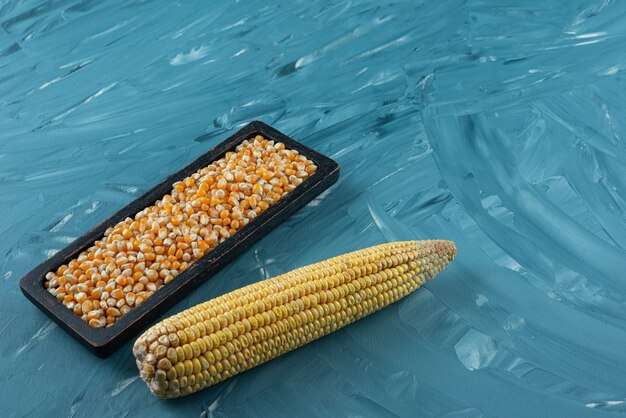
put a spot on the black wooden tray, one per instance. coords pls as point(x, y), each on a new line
point(104, 341)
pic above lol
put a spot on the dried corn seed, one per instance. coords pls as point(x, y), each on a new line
point(162, 240)
point(249, 326)
point(96, 323)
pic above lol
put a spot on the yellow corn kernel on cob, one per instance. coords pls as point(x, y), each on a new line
point(215, 340)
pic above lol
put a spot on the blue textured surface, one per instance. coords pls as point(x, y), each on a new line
point(498, 126)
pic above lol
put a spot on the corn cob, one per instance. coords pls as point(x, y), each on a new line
point(214, 340)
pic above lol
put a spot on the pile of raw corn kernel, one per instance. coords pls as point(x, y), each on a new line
point(138, 256)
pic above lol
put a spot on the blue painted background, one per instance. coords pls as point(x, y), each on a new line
point(500, 126)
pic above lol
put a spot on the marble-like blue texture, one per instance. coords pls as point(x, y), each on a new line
point(499, 125)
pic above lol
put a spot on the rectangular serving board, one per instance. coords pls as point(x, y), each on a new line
point(104, 341)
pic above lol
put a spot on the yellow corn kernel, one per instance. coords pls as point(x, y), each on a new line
point(201, 211)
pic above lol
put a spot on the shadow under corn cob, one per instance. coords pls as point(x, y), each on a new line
point(215, 340)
